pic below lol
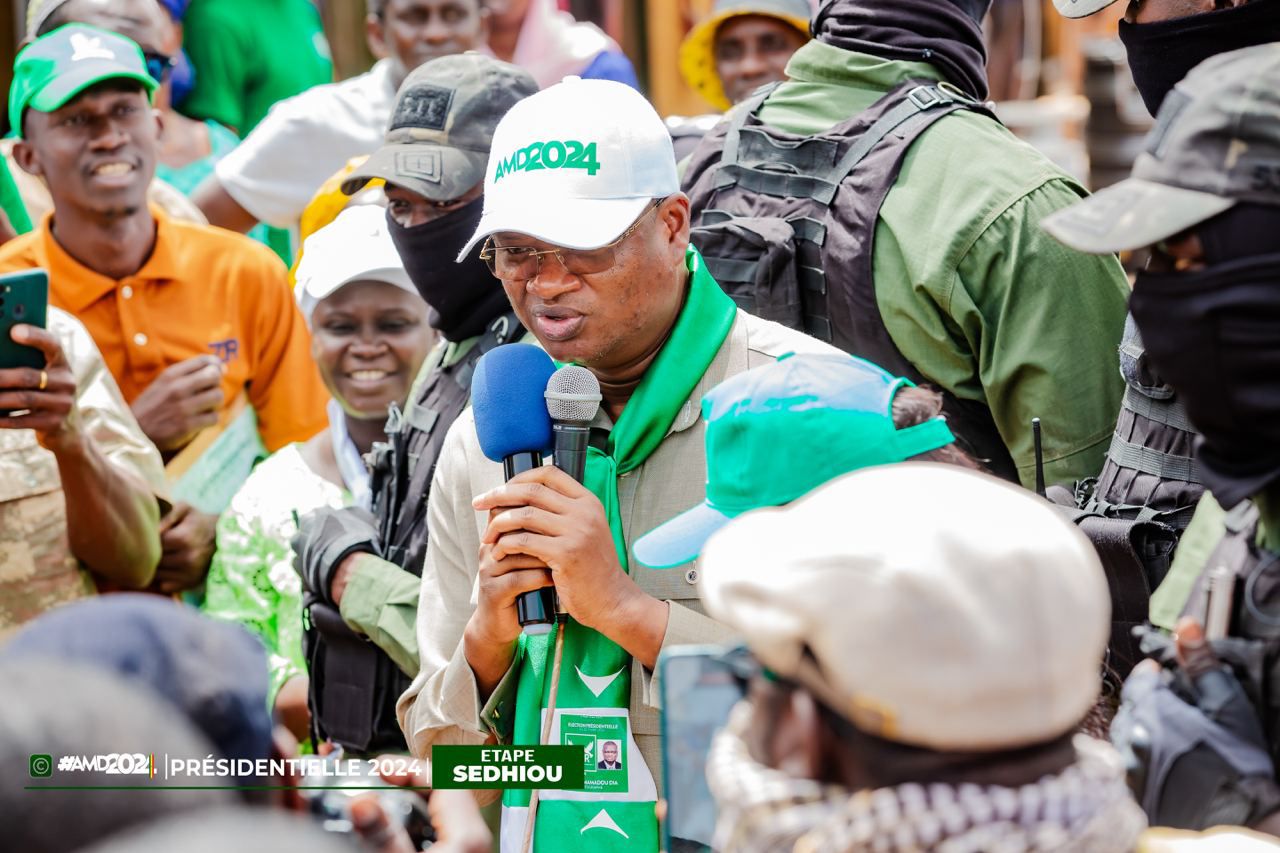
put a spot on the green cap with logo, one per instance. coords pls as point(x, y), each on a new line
point(1216, 142)
point(55, 68)
point(779, 431)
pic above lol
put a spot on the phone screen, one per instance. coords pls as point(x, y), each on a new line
point(698, 691)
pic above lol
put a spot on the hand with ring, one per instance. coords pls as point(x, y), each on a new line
point(38, 399)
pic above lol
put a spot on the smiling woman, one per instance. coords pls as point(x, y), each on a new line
point(369, 338)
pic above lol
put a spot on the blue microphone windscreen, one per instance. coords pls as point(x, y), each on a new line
point(507, 397)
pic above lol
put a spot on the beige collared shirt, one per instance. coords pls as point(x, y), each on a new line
point(443, 703)
point(37, 568)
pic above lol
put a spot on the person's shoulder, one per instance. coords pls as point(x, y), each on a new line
point(999, 164)
point(221, 244)
point(769, 341)
point(281, 484)
point(22, 252)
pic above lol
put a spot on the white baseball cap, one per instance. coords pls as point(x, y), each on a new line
point(929, 604)
point(575, 164)
point(355, 246)
point(1080, 8)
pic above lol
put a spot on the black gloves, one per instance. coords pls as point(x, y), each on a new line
point(324, 538)
point(1196, 762)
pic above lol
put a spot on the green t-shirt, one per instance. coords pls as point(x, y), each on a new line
point(248, 54)
point(11, 201)
point(982, 301)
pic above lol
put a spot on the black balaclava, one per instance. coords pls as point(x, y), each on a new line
point(1163, 53)
point(464, 297)
point(944, 33)
point(1214, 335)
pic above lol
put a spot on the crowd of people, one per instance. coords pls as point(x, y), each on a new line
point(985, 528)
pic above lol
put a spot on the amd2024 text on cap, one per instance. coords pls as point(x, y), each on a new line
point(1216, 142)
point(442, 125)
point(55, 68)
point(575, 164)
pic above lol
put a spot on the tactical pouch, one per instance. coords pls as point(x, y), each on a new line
point(756, 262)
point(354, 686)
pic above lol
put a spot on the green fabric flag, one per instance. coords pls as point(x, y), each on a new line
point(615, 812)
point(11, 201)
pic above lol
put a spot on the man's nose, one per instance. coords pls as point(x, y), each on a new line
point(436, 31)
point(753, 64)
point(552, 280)
point(108, 135)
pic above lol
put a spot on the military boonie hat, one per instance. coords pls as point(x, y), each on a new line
point(762, 428)
point(53, 69)
point(698, 51)
point(1080, 8)
point(442, 124)
point(1216, 142)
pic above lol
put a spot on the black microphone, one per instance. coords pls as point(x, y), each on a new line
point(513, 428)
point(573, 398)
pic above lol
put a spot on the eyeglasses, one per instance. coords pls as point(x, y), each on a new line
point(159, 65)
point(523, 263)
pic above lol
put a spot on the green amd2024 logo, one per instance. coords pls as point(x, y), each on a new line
point(569, 154)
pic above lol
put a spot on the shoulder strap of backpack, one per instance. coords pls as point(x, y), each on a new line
point(935, 100)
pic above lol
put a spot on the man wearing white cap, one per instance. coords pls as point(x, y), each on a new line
point(585, 225)
point(369, 337)
point(916, 686)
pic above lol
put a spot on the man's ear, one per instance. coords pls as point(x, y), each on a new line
point(674, 214)
point(24, 154)
point(159, 117)
point(375, 34)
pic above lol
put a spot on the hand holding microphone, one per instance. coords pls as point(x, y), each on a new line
point(543, 517)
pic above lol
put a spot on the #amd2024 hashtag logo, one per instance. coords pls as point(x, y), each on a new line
point(41, 766)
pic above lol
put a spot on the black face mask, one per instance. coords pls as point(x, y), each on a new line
point(1215, 336)
point(464, 297)
point(1163, 53)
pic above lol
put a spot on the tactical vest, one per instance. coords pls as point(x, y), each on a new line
point(402, 487)
point(1150, 472)
point(354, 684)
point(786, 224)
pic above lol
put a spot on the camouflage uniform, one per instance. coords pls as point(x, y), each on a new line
point(37, 569)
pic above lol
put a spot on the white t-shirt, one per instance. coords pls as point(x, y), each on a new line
point(304, 140)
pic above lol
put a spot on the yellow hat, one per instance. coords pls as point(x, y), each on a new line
point(697, 51)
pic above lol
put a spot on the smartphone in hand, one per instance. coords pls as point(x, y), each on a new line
point(24, 298)
point(699, 687)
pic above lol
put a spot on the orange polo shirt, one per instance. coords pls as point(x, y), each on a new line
point(203, 290)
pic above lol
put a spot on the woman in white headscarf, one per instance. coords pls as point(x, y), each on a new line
point(548, 43)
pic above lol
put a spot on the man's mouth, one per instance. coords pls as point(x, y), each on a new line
point(557, 324)
point(111, 170)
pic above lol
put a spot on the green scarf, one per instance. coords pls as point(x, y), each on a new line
point(616, 810)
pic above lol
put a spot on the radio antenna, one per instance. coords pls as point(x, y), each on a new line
point(1039, 446)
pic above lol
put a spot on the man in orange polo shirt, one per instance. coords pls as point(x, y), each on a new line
point(192, 321)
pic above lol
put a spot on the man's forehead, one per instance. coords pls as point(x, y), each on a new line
point(120, 86)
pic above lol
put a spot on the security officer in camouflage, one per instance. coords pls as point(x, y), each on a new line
point(366, 571)
point(78, 479)
point(1205, 198)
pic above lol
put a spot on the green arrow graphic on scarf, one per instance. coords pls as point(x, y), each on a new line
point(609, 816)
